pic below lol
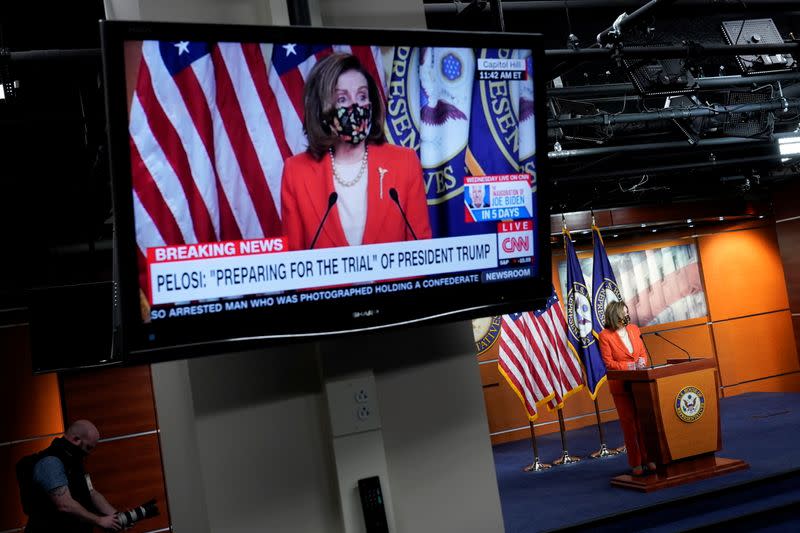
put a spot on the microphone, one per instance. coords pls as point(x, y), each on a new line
point(331, 202)
point(393, 196)
point(646, 350)
point(659, 335)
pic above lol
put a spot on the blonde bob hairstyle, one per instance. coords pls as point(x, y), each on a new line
point(615, 315)
point(318, 101)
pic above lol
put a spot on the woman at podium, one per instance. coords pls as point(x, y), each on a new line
point(622, 348)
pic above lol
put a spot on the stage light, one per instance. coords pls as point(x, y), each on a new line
point(8, 85)
point(615, 235)
point(757, 31)
point(789, 146)
point(644, 225)
point(721, 219)
point(688, 220)
point(654, 230)
point(691, 225)
point(760, 216)
point(660, 77)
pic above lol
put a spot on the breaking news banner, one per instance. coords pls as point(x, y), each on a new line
point(498, 197)
point(259, 301)
point(227, 269)
point(503, 69)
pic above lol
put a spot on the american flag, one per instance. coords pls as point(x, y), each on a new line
point(210, 127)
point(659, 285)
point(535, 360)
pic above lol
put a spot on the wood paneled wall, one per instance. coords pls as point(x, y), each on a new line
point(126, 465)
point(748, 331)
point(787, 226)
point(30, 416)
point(749, 310)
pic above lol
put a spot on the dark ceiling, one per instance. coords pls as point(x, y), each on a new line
point(56, 201)
point(55, 205)
point(633, 154)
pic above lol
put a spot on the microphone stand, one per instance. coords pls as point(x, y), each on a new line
point(331, 202)
point(660, 336)
point(396, 200)
point(647, 351)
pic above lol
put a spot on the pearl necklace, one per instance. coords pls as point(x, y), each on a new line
point(361, 169)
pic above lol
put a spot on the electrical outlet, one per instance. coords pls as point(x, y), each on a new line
point(353, 404)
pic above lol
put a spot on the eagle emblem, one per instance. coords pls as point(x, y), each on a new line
point(579, 314)
point(438, 100)
point(690, 404)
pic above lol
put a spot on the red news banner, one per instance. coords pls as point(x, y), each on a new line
point(208, 250)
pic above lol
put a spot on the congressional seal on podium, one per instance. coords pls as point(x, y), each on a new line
point(690, 404)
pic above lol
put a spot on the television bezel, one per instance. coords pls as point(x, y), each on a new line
point(134, 346)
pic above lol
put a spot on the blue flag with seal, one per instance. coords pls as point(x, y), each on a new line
point(580, 333)
point(463, 126)
point(604, 283)
point(502, 133)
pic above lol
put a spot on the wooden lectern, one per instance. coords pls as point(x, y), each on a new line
point(677, 409)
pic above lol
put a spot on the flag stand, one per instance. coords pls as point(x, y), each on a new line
point(565, 458)
point(603, 451)
point(536, 466)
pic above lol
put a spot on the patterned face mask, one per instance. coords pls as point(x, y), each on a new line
point(350, 124)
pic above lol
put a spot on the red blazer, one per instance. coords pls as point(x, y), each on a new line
point(616, 356)
point(307, 184)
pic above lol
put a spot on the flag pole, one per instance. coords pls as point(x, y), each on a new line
point(565, 458)
point(536, 466)
point(603, 451)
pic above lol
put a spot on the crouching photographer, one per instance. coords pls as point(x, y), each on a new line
point(57, 493)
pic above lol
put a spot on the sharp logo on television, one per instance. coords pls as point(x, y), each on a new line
point(515, 239)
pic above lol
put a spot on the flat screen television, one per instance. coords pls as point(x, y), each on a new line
point(284, 183)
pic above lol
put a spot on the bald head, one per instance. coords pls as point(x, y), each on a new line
point(84, 434)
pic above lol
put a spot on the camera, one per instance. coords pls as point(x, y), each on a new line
point(131, 516)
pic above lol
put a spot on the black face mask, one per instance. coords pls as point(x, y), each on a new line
point(350, 124)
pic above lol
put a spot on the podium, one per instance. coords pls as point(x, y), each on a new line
point(677, 409)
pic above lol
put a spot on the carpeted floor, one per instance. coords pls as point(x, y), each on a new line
point(761, 428)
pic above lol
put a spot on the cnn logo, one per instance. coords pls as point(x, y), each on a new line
point(517, 244)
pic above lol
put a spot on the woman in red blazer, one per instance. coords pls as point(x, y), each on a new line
point(622, 348)
point(374, 182)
